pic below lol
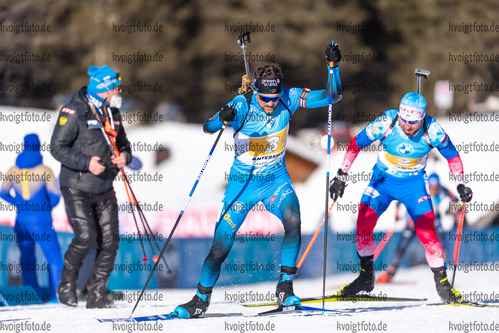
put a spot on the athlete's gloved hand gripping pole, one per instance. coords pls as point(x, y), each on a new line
point(110, 135)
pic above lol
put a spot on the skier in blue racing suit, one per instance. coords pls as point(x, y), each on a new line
point(35, 195)
point(408, 135)
point(259, 174)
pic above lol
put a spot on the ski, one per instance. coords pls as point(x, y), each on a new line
point(284, 310)
point(337, 298)
point(165, 317)
point(469, 304)
point(302, 309)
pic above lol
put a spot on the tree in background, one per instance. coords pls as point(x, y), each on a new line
point(382, 42)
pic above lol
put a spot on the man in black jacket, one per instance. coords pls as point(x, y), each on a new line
point(80, 143)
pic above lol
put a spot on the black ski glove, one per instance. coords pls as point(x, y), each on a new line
point(227, 113)
point(338, 185)
point(465, 193)
point(333, 54)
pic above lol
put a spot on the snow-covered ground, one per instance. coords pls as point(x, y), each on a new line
point(370, 316)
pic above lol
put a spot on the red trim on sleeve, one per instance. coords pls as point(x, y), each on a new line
point(350, 156)
point(456, 169)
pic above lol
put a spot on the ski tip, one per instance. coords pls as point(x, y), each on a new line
point(155, 258)
point(145, 259)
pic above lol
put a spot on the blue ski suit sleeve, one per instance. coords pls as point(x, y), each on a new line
point(320, 98)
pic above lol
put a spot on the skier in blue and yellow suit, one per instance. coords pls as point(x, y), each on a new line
point(259, 174)
point(36, 193)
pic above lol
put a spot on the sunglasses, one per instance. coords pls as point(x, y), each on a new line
point(267, 99)
point(411, 122)
point(117, 77)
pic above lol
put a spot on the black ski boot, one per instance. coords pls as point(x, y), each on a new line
point(66, 290)
point(196, 306)
point(365, 280)
point(284, 290)
point(445, 291)
point(98, 296)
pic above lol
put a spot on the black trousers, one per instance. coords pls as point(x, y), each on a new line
point(94, 218)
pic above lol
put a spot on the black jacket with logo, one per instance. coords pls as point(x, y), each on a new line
point(77, 137)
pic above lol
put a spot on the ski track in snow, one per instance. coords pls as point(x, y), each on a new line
point(393, 316)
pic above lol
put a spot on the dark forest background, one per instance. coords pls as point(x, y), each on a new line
point(198, 45)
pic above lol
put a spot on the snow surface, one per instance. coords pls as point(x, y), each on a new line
point(396, 316)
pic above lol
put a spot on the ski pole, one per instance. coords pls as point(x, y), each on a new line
point(114, 150)
point(111, 145)
point(116, 153)
point(135, 220)
point(147, 227)
point(457, 243)
point(179, 218)
point(312, 241)
point(139, 210)
point(326, 215)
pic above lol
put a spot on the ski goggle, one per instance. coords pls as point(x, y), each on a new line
point(108, 83)
point(116, 77)
point(267, 99)
point(411, 122)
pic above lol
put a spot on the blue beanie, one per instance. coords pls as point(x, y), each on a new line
point(433, 179)
point(30, 156)
point(102, 79)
